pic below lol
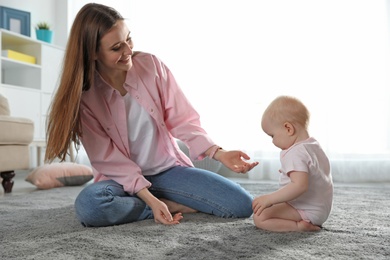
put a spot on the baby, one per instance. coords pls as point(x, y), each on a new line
point(304, 200)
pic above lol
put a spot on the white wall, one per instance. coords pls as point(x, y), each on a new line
point(125, 7)
point(122, 6)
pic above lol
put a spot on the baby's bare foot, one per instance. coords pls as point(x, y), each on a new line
point(307, 226)
point(175, 207)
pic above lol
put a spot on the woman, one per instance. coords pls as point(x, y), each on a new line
point(127, 109)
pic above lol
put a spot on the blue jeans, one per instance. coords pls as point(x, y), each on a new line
point(105, 203)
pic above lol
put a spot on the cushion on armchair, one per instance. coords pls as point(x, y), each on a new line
point(4, 107)
point(14, 130)
point(16, 133)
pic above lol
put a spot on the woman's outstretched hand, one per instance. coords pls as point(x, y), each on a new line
point(235, 160)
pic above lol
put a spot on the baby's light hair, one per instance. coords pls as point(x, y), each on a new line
point(288, 109)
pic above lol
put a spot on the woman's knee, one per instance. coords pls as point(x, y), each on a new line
point(92, 205)
point(238, 204)
point(107, 204)
point(87, 205)
point(243, 207)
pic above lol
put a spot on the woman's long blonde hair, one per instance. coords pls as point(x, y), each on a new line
point(63, 124)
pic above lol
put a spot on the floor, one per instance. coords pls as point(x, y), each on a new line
point(22, 187)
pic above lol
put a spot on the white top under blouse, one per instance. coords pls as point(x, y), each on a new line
point(143, 139)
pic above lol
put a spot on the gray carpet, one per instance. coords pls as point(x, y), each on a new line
point(42, 225)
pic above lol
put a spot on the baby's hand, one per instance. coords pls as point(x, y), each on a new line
point(260, 203)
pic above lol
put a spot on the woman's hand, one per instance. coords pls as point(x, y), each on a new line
point(160, 209)
point(235, 160)
point(163, 216)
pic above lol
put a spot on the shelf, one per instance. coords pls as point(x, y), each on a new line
point(29, 86)
point(9, 37)
point(17, 39)
point(7, 87)
point(8, 63)
point(20, 74)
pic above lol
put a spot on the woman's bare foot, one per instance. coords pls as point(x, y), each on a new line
point(307, 226)
point(175, 207)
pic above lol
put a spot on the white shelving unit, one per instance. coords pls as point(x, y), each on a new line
point(29, 87)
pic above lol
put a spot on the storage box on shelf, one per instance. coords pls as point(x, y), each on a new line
point(29, 86)
point(14, 55)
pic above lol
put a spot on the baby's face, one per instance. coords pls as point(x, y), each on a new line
point(277, 131)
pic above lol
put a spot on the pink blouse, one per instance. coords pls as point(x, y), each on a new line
point(104, 125)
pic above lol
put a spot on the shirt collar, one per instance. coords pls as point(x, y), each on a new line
point(132, 78)
point(130, 82)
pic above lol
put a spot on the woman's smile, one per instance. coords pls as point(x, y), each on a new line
point(125, 60)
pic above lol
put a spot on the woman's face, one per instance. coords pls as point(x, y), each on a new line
point(115, 50)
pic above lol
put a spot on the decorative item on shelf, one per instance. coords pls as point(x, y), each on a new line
point(43, 32)
point(18, 56)
point(15, 20)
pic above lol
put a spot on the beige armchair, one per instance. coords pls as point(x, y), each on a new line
point(16, 134)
